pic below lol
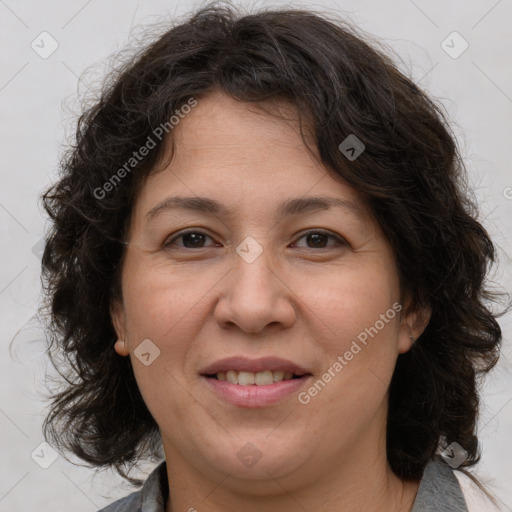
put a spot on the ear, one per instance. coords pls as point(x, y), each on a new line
point(117, 315)
point(414, 321)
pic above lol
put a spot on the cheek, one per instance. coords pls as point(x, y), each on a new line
point(349, 302)
point(161, 301)
point(355, 325)
point(165, 309)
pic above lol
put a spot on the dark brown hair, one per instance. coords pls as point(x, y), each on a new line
point(410, 172)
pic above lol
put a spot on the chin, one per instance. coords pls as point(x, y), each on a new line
point(260, 458)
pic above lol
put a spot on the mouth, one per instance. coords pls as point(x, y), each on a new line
point(253, 372)
point(263, 378)
point(252, 383)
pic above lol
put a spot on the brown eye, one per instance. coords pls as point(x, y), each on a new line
point(320, 239)
point(190, 240)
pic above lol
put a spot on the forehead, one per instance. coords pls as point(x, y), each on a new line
point(235, 153)
point(221, 123)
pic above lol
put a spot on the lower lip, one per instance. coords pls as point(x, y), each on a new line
point(255, 396)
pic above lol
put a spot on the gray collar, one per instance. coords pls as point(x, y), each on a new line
point(439, 490)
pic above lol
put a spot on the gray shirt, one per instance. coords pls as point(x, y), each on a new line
point(439, 491)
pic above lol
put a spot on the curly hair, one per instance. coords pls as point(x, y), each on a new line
point(410, 173)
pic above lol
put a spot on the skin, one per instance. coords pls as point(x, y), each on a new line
point(297, 300)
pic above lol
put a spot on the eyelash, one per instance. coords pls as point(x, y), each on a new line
point(170, 242)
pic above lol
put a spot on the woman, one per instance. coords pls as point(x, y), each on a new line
point(264, 270)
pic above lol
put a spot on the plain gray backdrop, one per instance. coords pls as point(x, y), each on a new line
point(45, 49)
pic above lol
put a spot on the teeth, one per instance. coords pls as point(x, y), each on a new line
point(277, 375)
point(250, 378)
point(232, 377)
point(262, 378)
point(245, 378)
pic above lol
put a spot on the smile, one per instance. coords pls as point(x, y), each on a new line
point(264, 378)
point(255, 395)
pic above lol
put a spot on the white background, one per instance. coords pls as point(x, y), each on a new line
point(38, 102)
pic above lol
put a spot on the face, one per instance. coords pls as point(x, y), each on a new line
point(254, 283)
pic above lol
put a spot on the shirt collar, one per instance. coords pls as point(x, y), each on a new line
point(155, 491)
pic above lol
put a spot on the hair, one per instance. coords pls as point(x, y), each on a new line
point(410, 173)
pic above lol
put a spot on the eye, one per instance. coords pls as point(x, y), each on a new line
point(192, 239)
point(195, 239)
point(318, 239)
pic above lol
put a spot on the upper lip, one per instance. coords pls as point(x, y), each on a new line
point(243, 364)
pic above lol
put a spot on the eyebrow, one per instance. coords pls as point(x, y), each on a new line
point(288, 208)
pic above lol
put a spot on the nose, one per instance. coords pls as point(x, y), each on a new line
point(255, 295)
